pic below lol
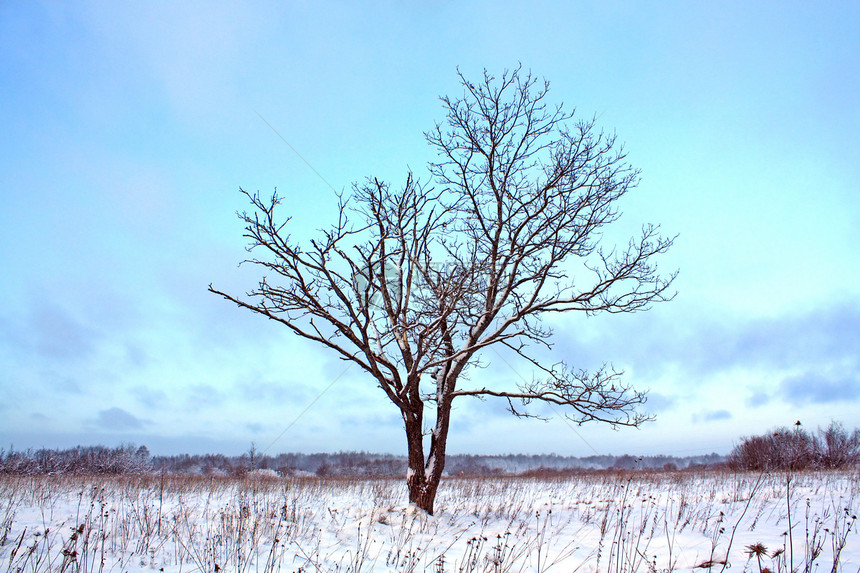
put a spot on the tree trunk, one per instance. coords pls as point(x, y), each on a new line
point(416, 479)
point(424, 477)
point(423, 495)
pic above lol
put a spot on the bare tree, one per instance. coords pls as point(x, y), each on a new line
point(837, 447)
point(413, 283)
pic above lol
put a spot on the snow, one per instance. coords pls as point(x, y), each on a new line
point(669, 521)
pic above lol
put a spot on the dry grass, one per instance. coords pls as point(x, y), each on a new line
point(607, 522)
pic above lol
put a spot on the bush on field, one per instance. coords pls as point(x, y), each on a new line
point(785, 449)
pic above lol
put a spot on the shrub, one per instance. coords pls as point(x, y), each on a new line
point(797, 449)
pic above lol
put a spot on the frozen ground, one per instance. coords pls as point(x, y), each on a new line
point(614, 523)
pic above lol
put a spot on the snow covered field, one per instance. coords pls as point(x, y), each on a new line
point(600, 522)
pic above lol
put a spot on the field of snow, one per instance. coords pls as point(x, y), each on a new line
point(600, 522)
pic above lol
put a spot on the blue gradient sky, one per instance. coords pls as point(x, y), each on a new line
point(127, 129)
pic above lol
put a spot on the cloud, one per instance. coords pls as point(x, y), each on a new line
point(711, 416)
point(149, 397)
point(717, 415)
point(66, 335)
point(820, 389)
point(204, 395)
point(136, 355)
point(660, 402)
point(119, 419)
point(54, 333)
point(192, 63)
point(257, 389)
point(65, 384)
point(759, 398)
point(698, 346)
point(824, 335)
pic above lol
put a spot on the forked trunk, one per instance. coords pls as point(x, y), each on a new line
point(424, 476)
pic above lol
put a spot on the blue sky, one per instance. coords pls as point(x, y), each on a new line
point(129, 127)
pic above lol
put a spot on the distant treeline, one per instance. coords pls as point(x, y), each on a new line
point(781, 449)
point(133, 460)
point(99, 460)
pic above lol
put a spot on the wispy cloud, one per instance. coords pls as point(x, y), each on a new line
point(701, 347)
point(53, 333)
point(658, 402)
point(820, 389)
point(198, 395)
point(712, 416)
point(150, 397)
point(118, 419)
point(759, 398)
